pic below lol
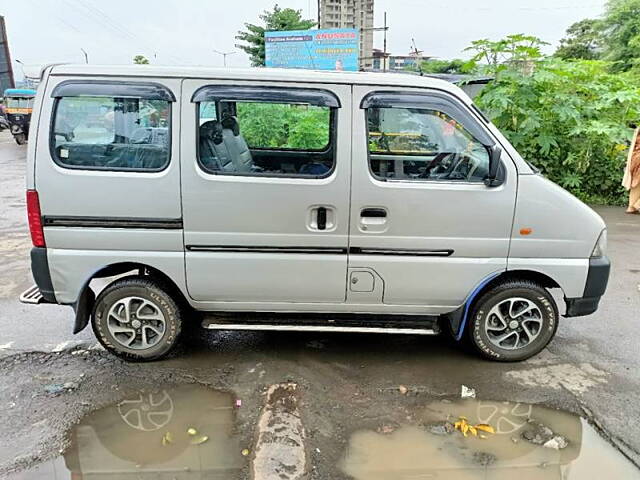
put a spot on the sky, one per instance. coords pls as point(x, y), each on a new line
point(174, 32)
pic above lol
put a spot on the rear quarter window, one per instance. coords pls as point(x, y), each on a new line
point(111, 133)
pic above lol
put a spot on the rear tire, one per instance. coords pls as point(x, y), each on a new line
point(137, 320)
point(513, 321)
point(21, 138)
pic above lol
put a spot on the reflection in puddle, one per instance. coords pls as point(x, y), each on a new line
point(435, 450)
point(181, 433)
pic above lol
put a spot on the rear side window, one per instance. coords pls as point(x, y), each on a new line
point(266, 131)
point(111, 133)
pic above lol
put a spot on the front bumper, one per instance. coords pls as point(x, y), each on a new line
point(597, 279)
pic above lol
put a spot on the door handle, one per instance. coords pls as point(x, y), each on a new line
point(373, 212)
point(322, 218)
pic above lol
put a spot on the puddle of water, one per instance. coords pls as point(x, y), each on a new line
point(415, 452)
point(147, 436)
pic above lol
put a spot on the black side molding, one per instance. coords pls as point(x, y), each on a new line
point(41, 274)
point(321, 250)
point(112, 222)
point(445, 252)
point(266, 249)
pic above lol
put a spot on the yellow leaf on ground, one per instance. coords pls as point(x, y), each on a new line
point(485, 428)
point(199, 440)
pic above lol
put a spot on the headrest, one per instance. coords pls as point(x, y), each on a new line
point(212, 130)
point(230, 122)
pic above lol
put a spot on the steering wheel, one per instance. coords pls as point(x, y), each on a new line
point(435, 163)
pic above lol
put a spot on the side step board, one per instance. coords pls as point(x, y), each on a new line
point(32, 295)
point(395, 324)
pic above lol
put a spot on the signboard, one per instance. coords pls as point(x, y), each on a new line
point(335, 49)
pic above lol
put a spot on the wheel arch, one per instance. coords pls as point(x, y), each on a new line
point(87, 297)
point(457, 320)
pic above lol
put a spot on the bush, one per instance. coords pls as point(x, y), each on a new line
point(279, 125)
point(570, 119)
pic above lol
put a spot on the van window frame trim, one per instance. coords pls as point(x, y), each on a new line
point(250, 93)
point(59, 163)
point(114, 88)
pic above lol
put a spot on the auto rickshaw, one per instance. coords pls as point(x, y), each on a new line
point(18, 105)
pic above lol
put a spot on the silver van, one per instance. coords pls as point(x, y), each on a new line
point(265, 199)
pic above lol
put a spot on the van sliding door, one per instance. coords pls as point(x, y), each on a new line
point(265, 192)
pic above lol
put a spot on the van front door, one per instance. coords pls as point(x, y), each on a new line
point(265, 193)
point(421, 216)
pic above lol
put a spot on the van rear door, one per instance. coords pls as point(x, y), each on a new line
point(265, 195)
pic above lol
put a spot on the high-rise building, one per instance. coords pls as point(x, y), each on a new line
point(356, 14)
point(6, 72)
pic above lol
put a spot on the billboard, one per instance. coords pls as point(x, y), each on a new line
point(335, 49)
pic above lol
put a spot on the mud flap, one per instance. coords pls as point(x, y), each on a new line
point(83, 308)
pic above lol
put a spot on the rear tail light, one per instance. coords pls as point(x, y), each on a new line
point(35, 219)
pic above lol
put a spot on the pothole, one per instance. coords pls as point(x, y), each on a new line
point(182, 432)
point(530, 442)
point(191, 432)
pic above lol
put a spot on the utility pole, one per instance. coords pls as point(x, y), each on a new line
point(384, 43)
point(224, 56)
point(86, 55)
point(384, 28)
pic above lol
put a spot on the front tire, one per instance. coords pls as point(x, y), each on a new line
point(513, 321)
point(137, 320)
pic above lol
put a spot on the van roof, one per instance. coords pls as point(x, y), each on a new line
point(264, 74)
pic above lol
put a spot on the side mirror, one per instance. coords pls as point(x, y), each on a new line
point(491, 180)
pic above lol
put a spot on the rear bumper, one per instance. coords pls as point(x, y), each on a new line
point(41, 274)
point(596, 285)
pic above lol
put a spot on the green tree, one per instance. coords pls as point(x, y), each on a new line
point(276, 20)
point(455, 65)
point(140, 60)
point(622, 34)
point(514, 51)
point(584, 40)
point(568, 118)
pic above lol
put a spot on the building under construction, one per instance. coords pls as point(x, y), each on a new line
point(356, 14)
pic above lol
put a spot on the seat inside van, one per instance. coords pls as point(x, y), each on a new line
point(114, 155)
point(222, 147)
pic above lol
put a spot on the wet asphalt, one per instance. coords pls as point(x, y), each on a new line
point(346, 382)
